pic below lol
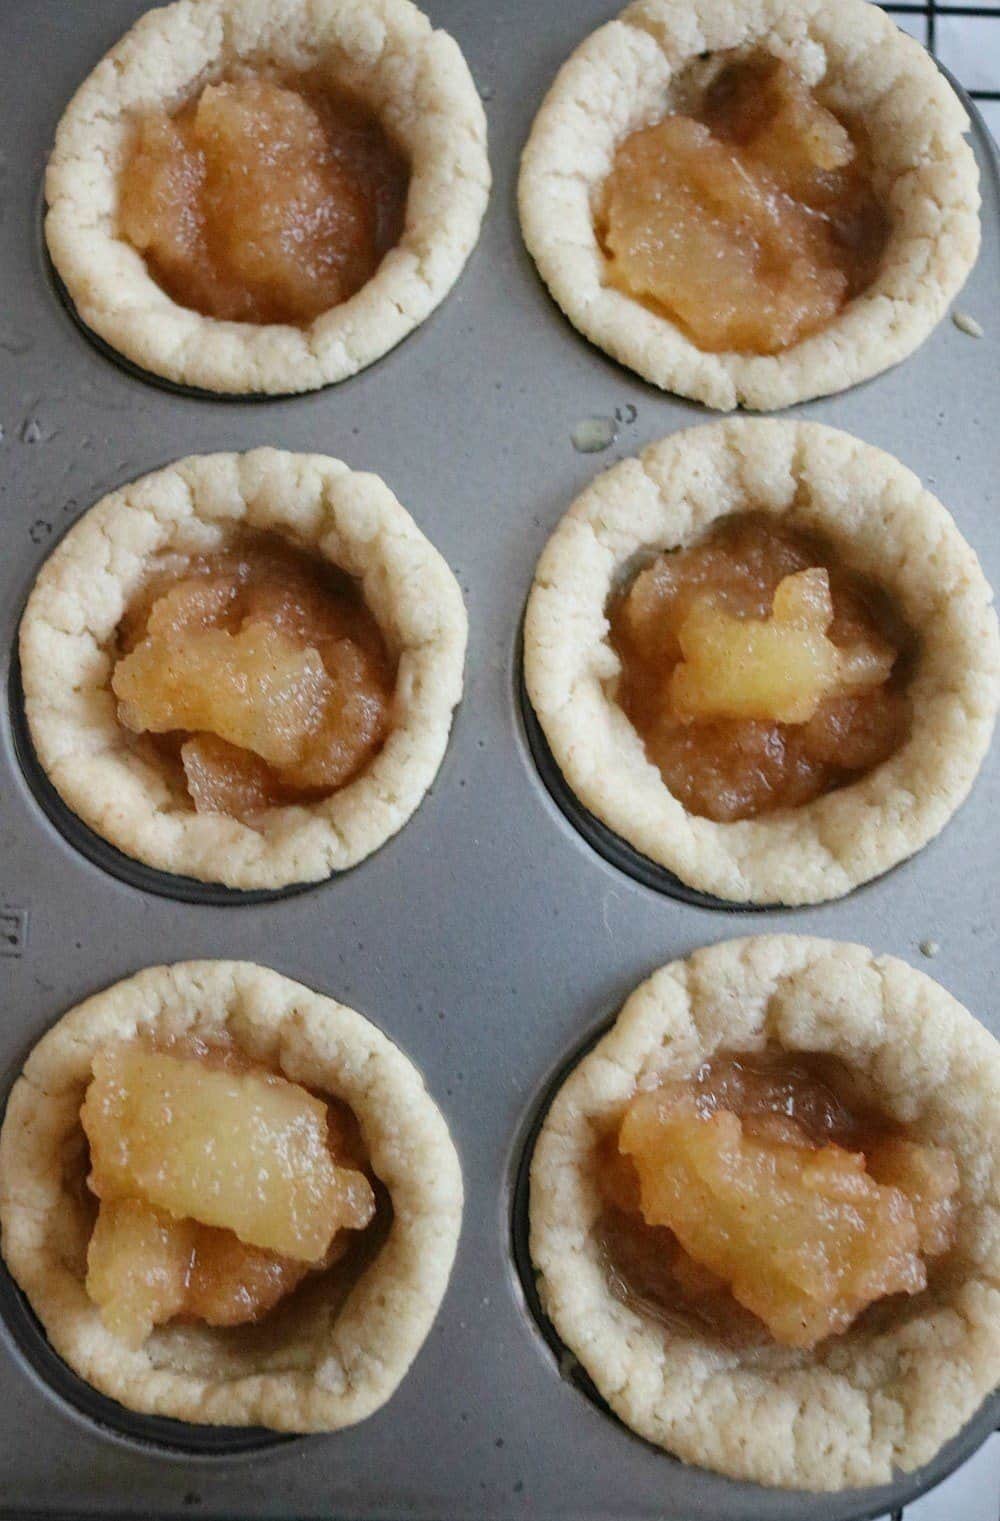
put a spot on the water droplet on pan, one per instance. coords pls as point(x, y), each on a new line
point(592, 434)
point(967, 324)
point(13, 342)
point(32, 432)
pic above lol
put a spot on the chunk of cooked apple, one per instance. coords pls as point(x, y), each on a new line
point(138, 1263)
point(243, 1150)
point(804, 1235)
point(257, 688)
point(779, 668)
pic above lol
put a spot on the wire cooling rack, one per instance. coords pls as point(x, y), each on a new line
point(966, 39)
point(933, 19)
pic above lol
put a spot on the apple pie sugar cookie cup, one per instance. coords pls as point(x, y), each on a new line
point(243, 668)
point(272, 1245)
point(763, 1213)
point(751, 204)
point(267, 198)
point(763, 655)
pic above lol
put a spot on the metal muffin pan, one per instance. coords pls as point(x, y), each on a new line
point(488, 939)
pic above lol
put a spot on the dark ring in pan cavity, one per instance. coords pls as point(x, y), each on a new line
point(27, 1342)
point(170, 1437)
point(149, 377)
point(882, 1503)
point(616, 850)
point(101, 853)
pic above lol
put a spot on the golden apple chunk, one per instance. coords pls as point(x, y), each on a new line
point(803, 1235)
point(138, 1263)
point(740, 266)
point(243, 1150)
point(748, 223)
point(257, 688)
point(780, 668)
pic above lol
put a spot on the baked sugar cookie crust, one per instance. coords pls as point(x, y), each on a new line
point(385, 51)
point(884, 524)
point(196, 506)
point(859, 1405)
point(329, 1360)
point(630, 72)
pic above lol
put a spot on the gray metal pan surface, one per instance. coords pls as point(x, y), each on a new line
point(489, 939)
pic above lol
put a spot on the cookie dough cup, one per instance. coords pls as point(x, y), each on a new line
point(637, 68)
point(331, 1360)
point(879, 1396)
point(414, 78)
point(199, 506)
point(881, 524)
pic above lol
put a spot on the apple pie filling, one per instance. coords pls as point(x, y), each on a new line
point(264, 199)
point(749, 220)
point(762, 1200)
point(220, 1185)
point(256, 675)
point(758, 671)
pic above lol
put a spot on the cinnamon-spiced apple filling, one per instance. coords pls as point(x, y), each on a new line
point(758, 671)
point(763, 1209)
point(256, 676)
point(762, 1200)
point(221, 1186)
point(266, 198)
point(748, 218)
point(751, 205)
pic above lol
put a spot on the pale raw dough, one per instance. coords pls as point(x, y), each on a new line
point(323, 1362)
point(630, 72)
point(195, 506)
point(385, 50)
point(882, 523)
point(858, 1405)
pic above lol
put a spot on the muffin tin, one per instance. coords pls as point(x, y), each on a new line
point(495, 936)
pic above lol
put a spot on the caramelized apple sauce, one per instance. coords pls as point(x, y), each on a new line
point(750, 221)
point(221, 1185)
point(764, 1202)
point(257, 676)
point(266, 198)
point(758, 671)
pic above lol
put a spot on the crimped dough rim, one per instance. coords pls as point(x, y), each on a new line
point(340, 1361)
point(851, 1410)
point(619, 79)
point(884, 524)
point(417, 80)
point(350, 518)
